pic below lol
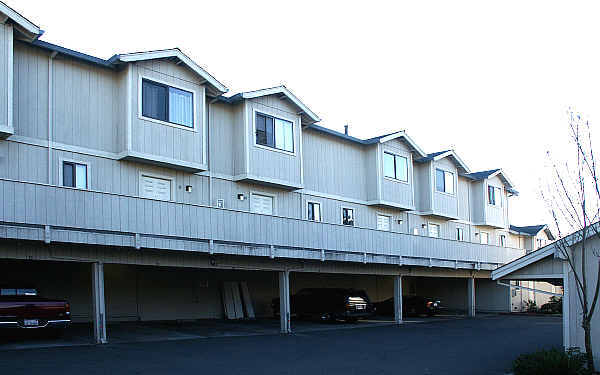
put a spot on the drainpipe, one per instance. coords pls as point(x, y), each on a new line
point(50, 114)
point(208, 152)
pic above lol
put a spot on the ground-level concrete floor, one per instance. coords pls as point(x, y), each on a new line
point(483, 345)
point(117, 284)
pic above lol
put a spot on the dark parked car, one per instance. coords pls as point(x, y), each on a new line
point(329, 304)
point(22, 308)
point(411, 305)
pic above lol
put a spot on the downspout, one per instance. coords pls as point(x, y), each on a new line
point(210, 200)
point(50, 114)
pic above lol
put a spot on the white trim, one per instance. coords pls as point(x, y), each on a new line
point(524, 261)
point(380, 202)
point(129, 122)
point(300, 151)
point(394, 154)
point(27, 25)
point(166, 53)
point(246, 140)
point(162, 161)
point(488, 237)
point(320, 210)
point(353, 216)
point(454, 180)
point(408, 140)
point(266, 180)
point(458, 160)
point(256, 192)
point(142, 173)
point(272, 114)
point(88, 169)
point(281, 90)
point(204, 128)
point(10, 73)
point(437, 225)
point(379, 167)
point(194, 127)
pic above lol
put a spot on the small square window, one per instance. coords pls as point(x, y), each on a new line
point(347, 216)
point(75, 175)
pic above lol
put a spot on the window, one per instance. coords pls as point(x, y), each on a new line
point(347, 216)
point(314, 211)
point(502, 240)
point(395, 166)
point(155, 188)
point(484, 238)
point(494, 195)
point(416, 231)
point(460, 234)
point(168, 104)
point(261, 204)
point(444, 181)
point(383, 222)
point(274, 132)
point(75, 175)
point(433, 230)
point(540, 243)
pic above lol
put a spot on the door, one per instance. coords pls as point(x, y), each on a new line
point(155, 188)
point(261, 204)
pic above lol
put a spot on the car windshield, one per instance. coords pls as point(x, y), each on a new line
point(18, 292)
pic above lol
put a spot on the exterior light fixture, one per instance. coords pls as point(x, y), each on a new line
point(188, 188)
point(241, 197)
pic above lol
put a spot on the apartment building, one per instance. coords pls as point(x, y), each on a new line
point(142, 166)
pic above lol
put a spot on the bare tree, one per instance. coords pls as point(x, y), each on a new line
point(572, 196)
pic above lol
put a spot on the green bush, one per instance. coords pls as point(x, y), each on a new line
point(554, 306)
point(531, 306)
point(552, 362)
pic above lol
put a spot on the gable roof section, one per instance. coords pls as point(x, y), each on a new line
point(434, 156)
point(478, 176)
point(532, 230)
point(370, 141)
point(283, 91)
point(30, 30)
point(522, 262)
point(171, 53)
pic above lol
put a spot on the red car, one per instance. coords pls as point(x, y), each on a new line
point(22, 308)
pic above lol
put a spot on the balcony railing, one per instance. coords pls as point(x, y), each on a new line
point(44, 212)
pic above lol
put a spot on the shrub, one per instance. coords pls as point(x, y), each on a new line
point(531, 306)
point(554, 306)
point(552, 362)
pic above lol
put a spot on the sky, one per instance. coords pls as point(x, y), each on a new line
point(493, 80)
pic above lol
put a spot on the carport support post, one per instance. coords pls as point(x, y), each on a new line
point(398, 299)
point(471, 296)
point(284, 301)
point(98, 303)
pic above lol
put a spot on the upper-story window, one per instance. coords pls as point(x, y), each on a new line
point(169, 104)
point(347, 216)
point(75, 175)
point(494, 196)
point(444, 181)
point(274, 132)
point(395, 166)
point(313, 211)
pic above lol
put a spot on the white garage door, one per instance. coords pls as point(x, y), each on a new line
point(155, 188)
point(262, 204)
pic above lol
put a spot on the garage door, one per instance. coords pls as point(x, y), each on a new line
point(262, 204)
point(155, 188)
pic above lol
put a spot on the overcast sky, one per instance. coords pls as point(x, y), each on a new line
point(491, 79)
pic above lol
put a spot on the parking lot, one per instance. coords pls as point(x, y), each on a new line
point(484, 345)
point(131, 332)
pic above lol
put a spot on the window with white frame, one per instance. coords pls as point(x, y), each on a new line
point(460, 234)
point(502, 240)
point(444, 181)
point(314, 211)
point(494, 196)
point(75, 175)
point(274, 132)
point(433, 230)
point(261, 204)
point(383, 222)
point(416, 231)
point(168, 104)
point(155, 187)
point(347, 216)
point(395, 166)
point(484, 238)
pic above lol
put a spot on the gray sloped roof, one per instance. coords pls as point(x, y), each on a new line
point(431, 156)
point(349, 138)
point(530, 230)
point(476, 176)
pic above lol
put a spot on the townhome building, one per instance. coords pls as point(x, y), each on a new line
point(137, 182)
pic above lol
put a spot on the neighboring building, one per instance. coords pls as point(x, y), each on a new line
point(140, 163)
point(549, 265)
point(530, 238)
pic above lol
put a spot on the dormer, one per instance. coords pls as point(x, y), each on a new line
point(490, 191)
point(268, 145)
point(12, 26)
point(164, 109)
point(390, 174)
point(438, 194)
